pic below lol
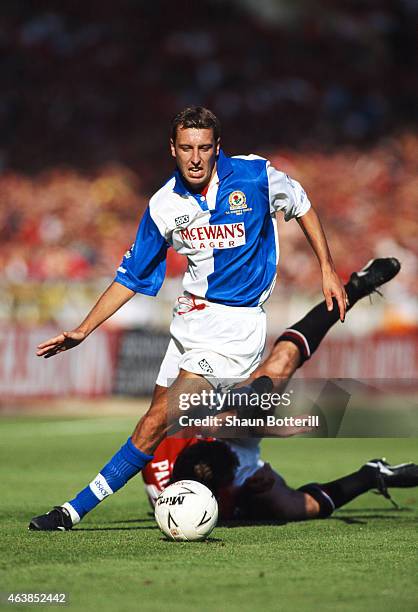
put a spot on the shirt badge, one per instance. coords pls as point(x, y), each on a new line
point(237, 200)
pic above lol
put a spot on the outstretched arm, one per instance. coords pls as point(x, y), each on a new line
point(331, 282)
point(115, 296)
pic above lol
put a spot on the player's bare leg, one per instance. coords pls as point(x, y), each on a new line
point(158, 420)
point(281, 363)
point(152, 424)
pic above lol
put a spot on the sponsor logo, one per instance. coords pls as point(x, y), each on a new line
point(161, 472)
point(174, 500)
point(181, 220)
point(205, 366)
point(237, 200)
point(225, 236)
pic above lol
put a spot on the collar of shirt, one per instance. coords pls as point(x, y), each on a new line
point(223, 169)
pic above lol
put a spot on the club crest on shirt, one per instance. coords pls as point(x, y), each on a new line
point(237, 200)
point(237, 203)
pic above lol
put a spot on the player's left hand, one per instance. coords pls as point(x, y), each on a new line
point(260, 482)
point(333, 287)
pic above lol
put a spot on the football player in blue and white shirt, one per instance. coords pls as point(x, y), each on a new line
point(219, 212)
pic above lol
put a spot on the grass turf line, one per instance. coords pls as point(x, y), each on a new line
point(364, 558)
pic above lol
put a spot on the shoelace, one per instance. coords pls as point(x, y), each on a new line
point(375, 290)
point(383, 490)
point(63, 514)
point(189, 303)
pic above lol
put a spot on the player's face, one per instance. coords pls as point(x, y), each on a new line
point(195, 152)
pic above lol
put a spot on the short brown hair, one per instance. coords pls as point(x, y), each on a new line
point(196, 117)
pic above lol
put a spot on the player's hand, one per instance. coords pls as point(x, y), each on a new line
point(333, 287)
point(260, 482)
point(63, 342)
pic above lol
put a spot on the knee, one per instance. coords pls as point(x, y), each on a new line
point(282, 361)
point(296, 507)
point(312, 508)
point(283, 505)
point(290, 508)
point(318, 504)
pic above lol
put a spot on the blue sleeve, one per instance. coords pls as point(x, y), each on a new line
point(143, 266)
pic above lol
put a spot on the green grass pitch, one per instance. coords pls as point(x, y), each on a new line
point(363, 558)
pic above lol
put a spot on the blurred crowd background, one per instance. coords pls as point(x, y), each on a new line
point(326, 89)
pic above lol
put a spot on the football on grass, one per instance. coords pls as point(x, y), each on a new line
point(186, 511)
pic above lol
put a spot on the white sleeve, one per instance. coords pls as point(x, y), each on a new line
point(286, 194)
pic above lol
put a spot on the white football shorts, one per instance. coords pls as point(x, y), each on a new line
point(219, 342)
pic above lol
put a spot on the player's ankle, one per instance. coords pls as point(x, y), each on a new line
point(74, 516)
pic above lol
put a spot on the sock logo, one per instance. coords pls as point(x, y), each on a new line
point(100, 487)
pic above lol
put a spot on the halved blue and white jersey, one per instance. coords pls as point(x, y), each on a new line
point(229, 236)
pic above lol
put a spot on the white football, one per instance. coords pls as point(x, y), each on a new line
point(186, 511)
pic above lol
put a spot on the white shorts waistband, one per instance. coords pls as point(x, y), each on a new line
point(190, 301)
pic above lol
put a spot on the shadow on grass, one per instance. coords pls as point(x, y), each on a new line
point(249, 523)
point(206, 542)
point(358, 517)
point(361, 516)
point(134, 522)
point(138, 520)
point(379, 510)
point(348, 516)
point(139, 527)
point(352, 521)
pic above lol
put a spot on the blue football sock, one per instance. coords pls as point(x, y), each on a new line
point(127, 462)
